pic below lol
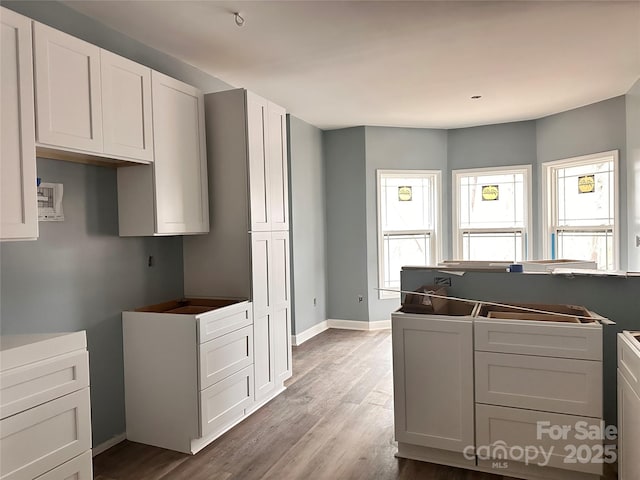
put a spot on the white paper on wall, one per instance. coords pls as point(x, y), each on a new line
point(50, 202)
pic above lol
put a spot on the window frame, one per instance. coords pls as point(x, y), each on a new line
point(435, 234)
point(457, 232)
point(549, 201)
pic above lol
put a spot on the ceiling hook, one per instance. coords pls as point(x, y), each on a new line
point(239, 19)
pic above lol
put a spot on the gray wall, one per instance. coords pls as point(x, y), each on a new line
point(345, 191)
point(633, 176)
point(493, 146)
point(595, 128)
point(397, 148)
point(308, 225)
point(611, 297)
point(63, 18)
point(79, 275)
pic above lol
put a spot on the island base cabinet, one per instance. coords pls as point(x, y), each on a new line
point(628, 406)
point(433, 381)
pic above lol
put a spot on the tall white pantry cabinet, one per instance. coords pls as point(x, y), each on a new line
point(246, 253)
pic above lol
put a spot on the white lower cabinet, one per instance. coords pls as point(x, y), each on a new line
point(628, 406)
point(433, 381)
point(272, 322)
point(45, 430)
point(188, 369)
point(79, 468)
point(225, 403)
point(477, 393)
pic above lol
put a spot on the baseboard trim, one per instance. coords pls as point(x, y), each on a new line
point(112, 442)
point(300, 338)
point(358, 325)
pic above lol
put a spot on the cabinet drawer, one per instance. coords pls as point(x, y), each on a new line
point(540, 383)
point(225, 402)
point(79, 468)
point(25, 387)
point(629, 362)
point(220, 322)
point(545, 339)
point(514, 427)
point(225, 355)
point(35, 441)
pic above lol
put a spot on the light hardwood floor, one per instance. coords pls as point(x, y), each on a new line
point(334, 422)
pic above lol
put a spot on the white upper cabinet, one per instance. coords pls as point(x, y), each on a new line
point(182, 203)
point(18, 204)
point(170, 196)
point(278, 188)
point(126, 107)
point(267, 149)
point(89, 100)
point(67, 89)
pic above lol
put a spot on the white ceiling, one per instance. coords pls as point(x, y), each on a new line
point(344, 63)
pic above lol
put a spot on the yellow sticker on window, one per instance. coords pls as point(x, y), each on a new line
point(405, 194)
point(490, 192)
point(586, 184)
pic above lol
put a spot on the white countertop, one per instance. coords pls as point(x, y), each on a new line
point(18, 350)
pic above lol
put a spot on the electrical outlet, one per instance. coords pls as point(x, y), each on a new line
point(442, 281)
point(360, 298)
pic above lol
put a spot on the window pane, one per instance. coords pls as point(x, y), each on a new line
point(594, 246)
point(401, 250)
point(591, 207)
point(499, 247)
point(505, 209)
point(415, 213)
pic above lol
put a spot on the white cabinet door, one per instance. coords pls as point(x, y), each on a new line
point(278, 169)
point(126, 107)
point(280, 304)
point(39, 439)
point(263, 356)
point(268, 170)
point(67, 88)
point(180, 166)
point(628, 430)
point(433, 381)
point(258, 150)
point(271, 306)
point(18, 204)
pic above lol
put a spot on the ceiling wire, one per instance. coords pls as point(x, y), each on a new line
point(238, 18)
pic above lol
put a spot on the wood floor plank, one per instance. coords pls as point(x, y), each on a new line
point(334, 422)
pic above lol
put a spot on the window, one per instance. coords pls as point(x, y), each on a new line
point(408, 223)
point(581, 209)
point(491, 213)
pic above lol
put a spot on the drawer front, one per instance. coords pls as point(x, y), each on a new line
point(545, 339)
point(226, 401)
point(629, 362)
point(225, 320)
point(35, 441)
point(225, 355)
point(540, 383)
point(25, 387)
point(514, 427)
point(79, 468)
